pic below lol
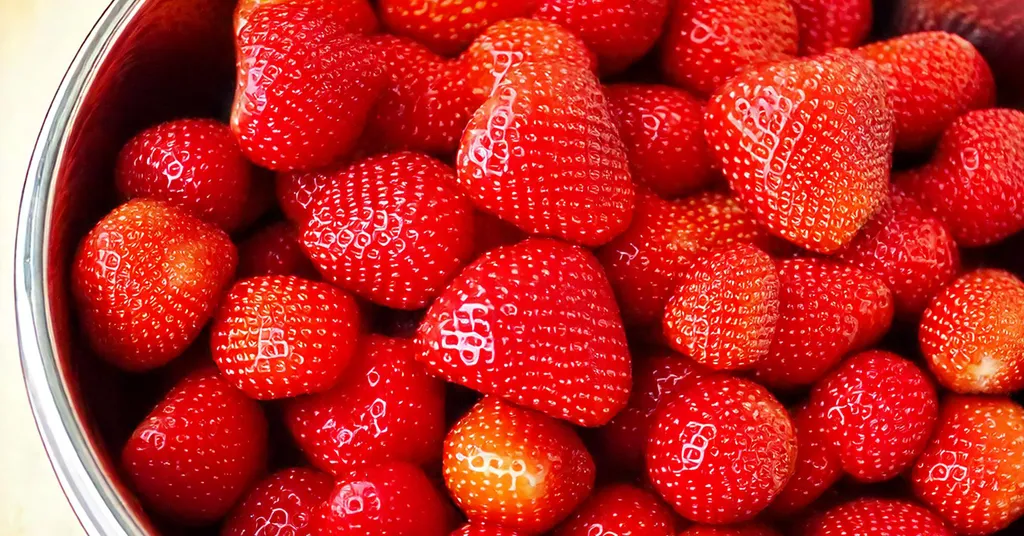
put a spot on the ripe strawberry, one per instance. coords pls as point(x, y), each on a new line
point(806, 146)
point(817, 462)
point(826, 311)
point(972, 334)
point(620, 509)
point(515, 467)
point(198, 451)
point(975, 180)
point(305, 86)
point(296, 191)
point(972, 472)
point(280, 503)
point(871, 517)
point(545, 135)
point(721, 451)
point(746, 529)
point(484, 529)
point(828, 24)
point(355, 16)
point(386, 407)
point(707, 42)
point(274, 250)
point(260, 199)
point(490, 232)
point(146, 279)
point(448, 26)
point(663, 131)
point(723, 313)
point(392, 228)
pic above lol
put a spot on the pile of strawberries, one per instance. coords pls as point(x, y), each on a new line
point(499, 295)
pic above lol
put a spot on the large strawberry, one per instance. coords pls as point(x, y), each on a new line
point(274, 250)
point(279, 503)
point(870, 517)
point(818, 466)
point(620, 509)
point(828, 24)
point(447, 26)
point(806, 145)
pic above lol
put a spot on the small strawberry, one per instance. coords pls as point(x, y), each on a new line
point(817, 462)
point(746, 529)
point(721, 451)
point(484, 529)
point(828, 24)
point(515, 467)
point(355, 16)
point(280, 503)
point(620, 509)
point(198, 451)
point(448, 26)
point(296, 191)
point(146, 279)
point(806, 145)
point(274, 250)
point(873, 517)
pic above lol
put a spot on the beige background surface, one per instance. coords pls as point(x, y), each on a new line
point(38, 39)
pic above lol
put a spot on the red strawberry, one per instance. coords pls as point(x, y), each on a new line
point(392, 228)
point(356, 16)
point(490, 232)
point(721, 451)
point(975, 180)
point(535, 323)
point(620, 509)
point(723, 313)
point(484, 529)
point(198, 451)
point(274, 250)
point(447, 26)
point(297, 190)
point(708, 41)
point(933, 78)
point(281, 503)
point(817, 462)
point(305, 86)
point(146, 279)
point(828, 24)
point(806, 146)
point(746, 529)
point(972, 472)
point(515, 467)
point(260, 199)
point(544, 154)
point(386, 407)
point(972, 334)
point(826, 311)
point(871, 517)
point(618, 31)
point(663, 131)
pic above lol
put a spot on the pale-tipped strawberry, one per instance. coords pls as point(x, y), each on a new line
point(620, 509)
point(284, 501)
point(871, 517)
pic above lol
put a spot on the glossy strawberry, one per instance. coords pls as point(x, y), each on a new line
point(806, 145)
point(198, 451)
point(296, 191)
point(515, 467)
point(745, 529)
point(484, 529)
point(721, 451)
point(146, 279)
point(818, 466)
point(355, 16)
point(448, 26)
point(828, 24)
point(274, 250)
point(392, 228)
point(620, 509)
point(280, 503)
point(535, 323)
point(870, 517)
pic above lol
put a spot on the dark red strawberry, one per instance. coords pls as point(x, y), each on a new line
point(490, 232)
point(392, 228)
point(817, 462)
point(297, 190)
point(198, 451)
point(448, 26)
point(484, 529)
point(355, 16)
point(806, 146)
point(146, 279)
point(745, 529)
point(260, 199)
point(828, 24)
point(515, 467)
point(620, 509)
point(871, 517)
point(281, 503)
point(543, 153)
point(274, 250)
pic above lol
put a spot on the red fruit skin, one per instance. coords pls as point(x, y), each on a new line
point(484, 529)
point(146, 279)
point(448, 26)
point(620, 509)
point(280, 503)
point(355, 16)
point(828, 24)
point(198, 451)
point(975, 180)
point(274, 250)
point(972, 471)
point(305, 87)
point(868, 517)
point(662, 129)
point(545, 135)
point(490, 232)
point(392, 229)
point(296, 191)
point(746, 529)
point(816, 194)
point(721, 451)
point(818, 466)
point(707, 42)
point(515, 467)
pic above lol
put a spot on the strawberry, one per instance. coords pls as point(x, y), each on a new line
point(280, 503)
point(305, 86)
point(545, 135)
point(620, 509)
point(746, 529)
point(448, 26)
point(618, 31)
point(198, 451)
point(806, 145)
point(296, 191)
point(515, 467)
point(972, 471)
point(535, 323)
point(932, 78)
point(386, 407)
point(392, 228)
point(975, 180)
point(828, 24)
point(818, 466)
point(274, 250)
point(484, 529)
point(146, 279)
point(260, 199)
point(355, 16)
point(826, 311)
point(871, 517)
point(721, 450)
point(490, 232)
point(663, 131)
point(972, 334)
point(723, 313)
point(707, 42)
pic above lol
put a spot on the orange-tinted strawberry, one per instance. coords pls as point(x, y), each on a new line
point(296, 191)
point(620, 509)
point(972, 334)
point(146, 279)
point(280, 503)
point(663, 131)
point(535, 323)
point(745, 529)
point(515, 467)
point(721, 451)
point(828, 24)
point(355, 16)
point(817, 462)
point(806, 145)
point(274, 250)
point(484, 529)
point(448, 26)
point(872, 517)
point(972, 472)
